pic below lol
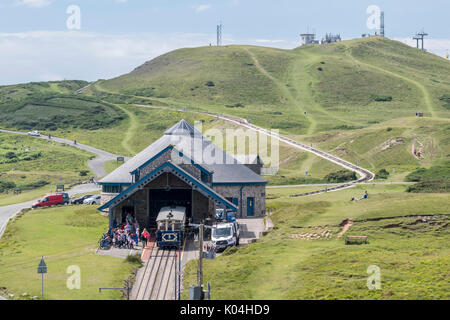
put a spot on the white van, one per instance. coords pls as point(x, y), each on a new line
point(225, 235)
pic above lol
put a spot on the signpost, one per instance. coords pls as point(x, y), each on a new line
point(120, 159)
point(42, 268)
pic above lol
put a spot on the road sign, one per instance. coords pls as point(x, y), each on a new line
point(42, 268)
point(120, 159)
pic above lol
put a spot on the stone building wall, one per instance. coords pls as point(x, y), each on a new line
point(257, 192)
point(176, 159)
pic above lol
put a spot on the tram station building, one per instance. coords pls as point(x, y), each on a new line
point(173, 171)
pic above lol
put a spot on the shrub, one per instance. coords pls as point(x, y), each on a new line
point(434, 186)
point(210, 84)
point(340, 176)
point(83, 173)
point(134, 259)
point(35, 185)
point(382, 174)
point(237, 105)
point(433, 173)
point(381, 98)
point(6, 185)
point(446, 99)
point(10, 155)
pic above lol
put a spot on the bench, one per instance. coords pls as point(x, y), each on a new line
point(355, 239)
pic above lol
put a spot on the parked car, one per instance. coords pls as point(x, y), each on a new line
point(225, 235)
point(81, 199)
point(93, 200)
point(65, 197)
point(34, 133)
point(49, 201)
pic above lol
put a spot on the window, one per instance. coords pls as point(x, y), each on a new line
point(204, 177)
point(112, 189)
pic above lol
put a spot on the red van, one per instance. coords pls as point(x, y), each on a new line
point(49, 201)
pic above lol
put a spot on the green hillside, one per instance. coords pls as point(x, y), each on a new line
point(346, 85)
point(54, 105)
point(356, 99)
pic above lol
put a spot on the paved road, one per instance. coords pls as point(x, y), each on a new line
point(7, 212)
point(96, 165)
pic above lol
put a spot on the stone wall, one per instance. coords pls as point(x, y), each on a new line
point(257, 192)
point(176, 159)
point(106, 197)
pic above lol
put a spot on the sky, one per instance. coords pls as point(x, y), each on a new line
point(43, 40)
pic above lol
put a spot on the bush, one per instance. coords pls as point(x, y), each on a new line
point(10, 155)
point(381, 98)
point(446, 99)
point(35, 185)
point(382, 174)
point(434, 186)
point(84, 173)
point(237, 105)
point(210, 84)
point(134, 259)
point(340, 176)
point(6, 185)
point(433, 173)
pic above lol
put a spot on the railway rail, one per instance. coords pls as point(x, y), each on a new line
point(157, 280)
point(365, 175)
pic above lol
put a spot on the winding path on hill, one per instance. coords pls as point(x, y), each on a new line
point(287, 93)
point(425, 93)
point(96, 165)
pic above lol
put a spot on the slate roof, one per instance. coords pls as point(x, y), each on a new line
point(185, 138)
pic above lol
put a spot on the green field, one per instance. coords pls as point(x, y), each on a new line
point(65, 237)
point(412, 255)
point(36, 166)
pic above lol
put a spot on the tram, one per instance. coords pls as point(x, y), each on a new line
point(170, 227)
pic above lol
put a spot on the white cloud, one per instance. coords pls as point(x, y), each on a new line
point(202, 7)
point(48, 55)
point(32, 3)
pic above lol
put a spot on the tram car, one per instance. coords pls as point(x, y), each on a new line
point(170, 222)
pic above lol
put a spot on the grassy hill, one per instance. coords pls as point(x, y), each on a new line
point(373, 80)
point(54, 105)
point(303, 258)
point(357, 99)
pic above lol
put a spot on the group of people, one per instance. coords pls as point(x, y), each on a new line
point(125, 235)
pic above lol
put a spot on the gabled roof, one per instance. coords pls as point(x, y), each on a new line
point(183, 137)
point(183, 128)
point(169, 167)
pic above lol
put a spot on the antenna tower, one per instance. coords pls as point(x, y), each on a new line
point(219, 34)
point(382, 24)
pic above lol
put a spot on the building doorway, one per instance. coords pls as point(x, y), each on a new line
point(250, 207)
point(159, 198)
